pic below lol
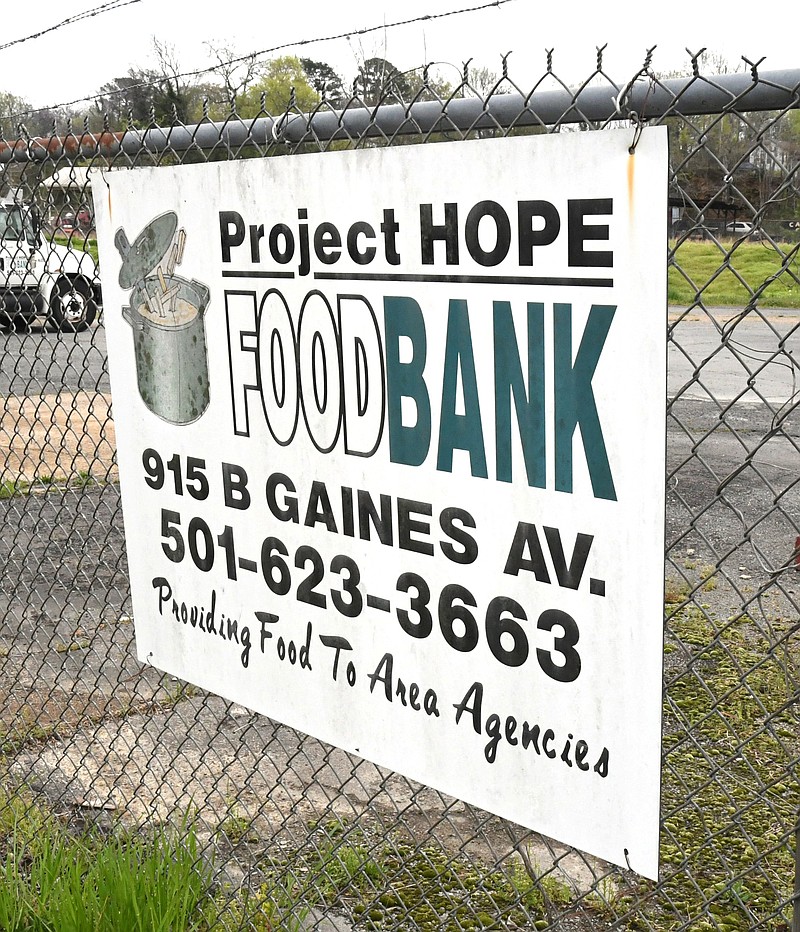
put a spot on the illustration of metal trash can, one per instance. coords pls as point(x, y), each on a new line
point(166, 314)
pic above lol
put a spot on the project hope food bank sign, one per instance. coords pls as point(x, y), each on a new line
point(391, 445)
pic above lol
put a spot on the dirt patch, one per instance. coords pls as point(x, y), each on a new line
point(60, 437)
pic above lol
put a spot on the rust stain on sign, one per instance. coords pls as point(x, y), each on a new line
point(631, 182)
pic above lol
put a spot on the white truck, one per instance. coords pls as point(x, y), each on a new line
point(43, 279)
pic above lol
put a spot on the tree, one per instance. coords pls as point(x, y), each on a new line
point(128, 97)
point(426, 84)
point(325, 81)
point(238, 72)
point(380, 82)
point(484, 83)
point(280, 79)
point(13, 111)
point(172, 97)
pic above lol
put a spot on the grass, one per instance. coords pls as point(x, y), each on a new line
point(51, 879)
point(46, 483)
point(79, 242)
point(9, 488)
point(730, 274)
point(388, 884)
point(729, 803)
point(54, 880)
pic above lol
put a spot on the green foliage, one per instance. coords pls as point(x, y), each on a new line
point(282, 83)
point(269, 909)
point(380, 82)
point(704, 272)
point(11, 107)
point(725, 797)
point(80, 243)
point(398, 885)
point(235, 827)
point(325, 81)
point(44, 484)
point(9, 488)
point(55, 881)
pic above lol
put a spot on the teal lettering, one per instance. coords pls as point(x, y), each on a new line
point(408, 444)
point(574, 398)
point(508, 382)
point(462, 431)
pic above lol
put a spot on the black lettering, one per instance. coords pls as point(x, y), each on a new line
point(305, 650)
point(266, 618)
point(579, 233)
point(502, 241)
point(256, 235)
point(493, 731)
point(319, 510)
point(400, 692)
point(230, 237)
point(368, 515)
point(530, 735)
point(383, 674)
point(390, 228)
point(406, 526)
point(429, 703)
point(281, 243)
point(474, 693)
point(528, 237)
point(430, 232)
point(348, 518)
point(289, 510)
point(511, 727)
point(327, 243)
point(305, 260)
point(469, 546)
point(365, 256)
point(234, 485)
point(526, 536)
point(338, 644)
point(245, 642)
point(568, 578)
point(164, 592)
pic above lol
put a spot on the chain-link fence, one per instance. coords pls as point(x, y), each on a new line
point(296, 834)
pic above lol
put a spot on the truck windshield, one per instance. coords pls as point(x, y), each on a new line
point(16, 224)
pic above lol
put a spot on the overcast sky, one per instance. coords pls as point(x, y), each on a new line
point(75, 60)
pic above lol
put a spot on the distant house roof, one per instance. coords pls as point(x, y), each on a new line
point(72, 177)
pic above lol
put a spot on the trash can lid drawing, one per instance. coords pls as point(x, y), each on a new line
point(148, 249)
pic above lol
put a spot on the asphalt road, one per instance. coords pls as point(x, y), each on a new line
point(733, 454)
point(43, 363)
point(724, 355)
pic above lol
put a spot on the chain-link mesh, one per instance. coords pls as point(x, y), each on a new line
point(301, 835)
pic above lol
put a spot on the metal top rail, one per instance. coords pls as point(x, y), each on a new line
point(648, 98)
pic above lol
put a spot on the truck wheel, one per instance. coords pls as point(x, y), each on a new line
point(72, 305)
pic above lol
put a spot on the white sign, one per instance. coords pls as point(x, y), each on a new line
point(391, 443)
